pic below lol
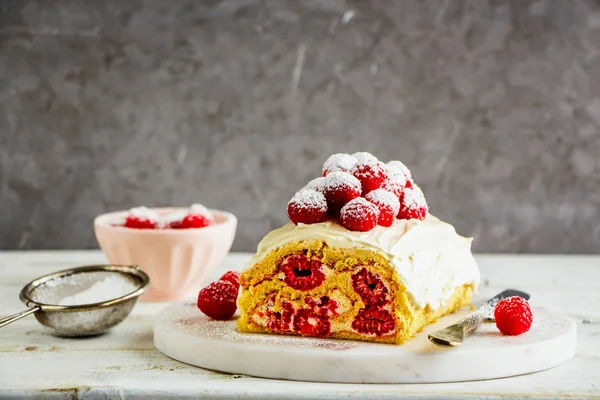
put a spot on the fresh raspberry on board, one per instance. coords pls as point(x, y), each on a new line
point(513, 316)
point(218, 300)
point(302, 273)
point(233, 277)
point(373, 321)
point(370, 287)
point(340, 162)
point(309, 324)
point(307, 207)
point(339, 189)
point(371, 174)
point(387, 203)
point(413, 204)
point(359, 215)
point(141, 218)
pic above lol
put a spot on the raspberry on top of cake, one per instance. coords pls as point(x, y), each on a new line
point(360, 192)
point(362, 259)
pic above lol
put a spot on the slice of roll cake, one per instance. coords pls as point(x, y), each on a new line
point(344, 269)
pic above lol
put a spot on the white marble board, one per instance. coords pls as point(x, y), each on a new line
point(182, 332)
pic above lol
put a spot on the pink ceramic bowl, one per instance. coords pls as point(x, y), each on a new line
point(177, 260)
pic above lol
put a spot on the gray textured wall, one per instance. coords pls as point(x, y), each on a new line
point(495, 105)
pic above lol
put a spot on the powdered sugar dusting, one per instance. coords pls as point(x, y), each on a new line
point(111, 287)
point(371, 173)
point(338, 162)
point(365, 157)
point(400, 165)
point(167, 220)
point(118, 220)
point(84, 288)
point(414, 198)
point(358, 209)
point(308, 198)
point(383, 197)
point(199, 209)
point(189, 320)
point(395, 174)
point(144, 213)
point(369, 163)
point(346, 177)
point(192, 322)
point(337, 180)
point(317, 184)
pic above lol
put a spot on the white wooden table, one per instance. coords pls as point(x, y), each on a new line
point(124, 363)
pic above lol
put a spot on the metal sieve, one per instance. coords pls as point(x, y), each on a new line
point(43, 297)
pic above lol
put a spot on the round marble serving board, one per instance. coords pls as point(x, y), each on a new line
point(182, 332)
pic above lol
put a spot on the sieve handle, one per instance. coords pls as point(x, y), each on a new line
point(7, 320)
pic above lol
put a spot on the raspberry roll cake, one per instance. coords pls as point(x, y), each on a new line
point(361, 259)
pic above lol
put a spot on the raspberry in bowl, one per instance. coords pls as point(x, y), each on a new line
point(176, 247)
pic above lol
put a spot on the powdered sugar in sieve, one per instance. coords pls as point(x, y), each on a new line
point(84, 288)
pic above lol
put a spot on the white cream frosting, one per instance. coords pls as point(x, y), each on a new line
point(431, 258)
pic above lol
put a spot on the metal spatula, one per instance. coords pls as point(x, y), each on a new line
point(455, 334)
